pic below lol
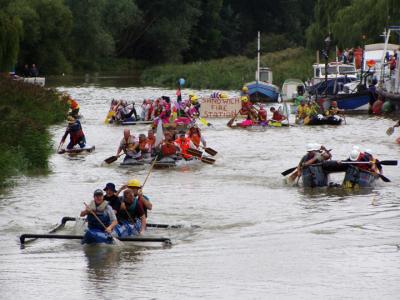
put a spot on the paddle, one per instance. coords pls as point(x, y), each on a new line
point(199, 154)
point(102, 224)
point(209, 150)
point(230, 123)
point(390, 130)
point(113, 158)
point(195, 152)
point(288, 171)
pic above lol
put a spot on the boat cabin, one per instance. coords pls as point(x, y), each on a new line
point(265, 75)
point(335, 70)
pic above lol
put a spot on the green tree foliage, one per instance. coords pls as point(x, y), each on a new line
point(10, 32)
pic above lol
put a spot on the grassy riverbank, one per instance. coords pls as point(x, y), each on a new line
point(26, 112)
point(232, 72)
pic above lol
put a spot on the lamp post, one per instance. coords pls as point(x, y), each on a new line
point(327, 43)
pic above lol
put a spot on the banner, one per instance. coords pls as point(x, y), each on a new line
point(219, 108)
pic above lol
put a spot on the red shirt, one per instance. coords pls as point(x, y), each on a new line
point(277, 116)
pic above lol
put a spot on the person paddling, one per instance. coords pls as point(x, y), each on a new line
point(104, 219)
point(132, 211)
point(276, 115)
point(184, 143)
point(75, 132)
point(129, 145)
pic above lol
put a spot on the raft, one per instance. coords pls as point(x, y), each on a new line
point(96, 236)
point(171, 162)
point(314, 176)
point(332, 120)
point(77, 150)
point(355, 178)
point(259, 126)
point(137, 162)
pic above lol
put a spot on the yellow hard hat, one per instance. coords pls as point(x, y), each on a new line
point(194, 98)
point(244, 99)
point(245, 89)
point(134, 183)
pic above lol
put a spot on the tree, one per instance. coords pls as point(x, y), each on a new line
point(10, 32)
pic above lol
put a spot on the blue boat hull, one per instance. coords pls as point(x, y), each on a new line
point(314, 176)
point(355, 178)
point(331, 87)
point(95, 236)
point(354, 101)
point(260, 91)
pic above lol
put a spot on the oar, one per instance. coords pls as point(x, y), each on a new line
point(230, 123)
point(390, 130)
point(195, 152)
point(113, 158)
point(79, 237)
point(98, 220)
point(209, 150)
point(288, 171)
point(208, 160)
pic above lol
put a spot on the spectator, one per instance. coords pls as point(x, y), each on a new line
point(34, 71)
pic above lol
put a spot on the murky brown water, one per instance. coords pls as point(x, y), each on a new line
point(259, 238)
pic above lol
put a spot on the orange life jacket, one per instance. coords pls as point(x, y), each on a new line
point(168, 148)
point(184, 144)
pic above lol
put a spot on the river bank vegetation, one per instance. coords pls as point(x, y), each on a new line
point(26, 112)
point(64, 36)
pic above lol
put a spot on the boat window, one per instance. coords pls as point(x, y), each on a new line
point(347, 70)
point(331, 70)
point(264, 76)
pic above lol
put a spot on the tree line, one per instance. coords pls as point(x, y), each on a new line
point(65, 35)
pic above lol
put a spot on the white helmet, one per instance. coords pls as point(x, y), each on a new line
point(354, 154)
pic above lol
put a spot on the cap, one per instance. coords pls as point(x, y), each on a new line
point(110, 186)
point(98, 192)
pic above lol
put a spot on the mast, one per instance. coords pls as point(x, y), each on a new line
point(258, 57)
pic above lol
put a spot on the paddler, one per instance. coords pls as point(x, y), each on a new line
point(136, 187)
point(132, 212)
point(276, 115)
point(195, 136)
point(247, 107)
point(111, 196)
point(168, 147)
point(74, 106)
point(103, 211)
point(76, 135)
point(129, 145)
point(184, 143)
point(333, 109)
point(262, 116)
point(144, 147)
point(314, 155)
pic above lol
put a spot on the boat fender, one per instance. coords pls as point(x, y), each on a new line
point(336, 117)
point(320, 117)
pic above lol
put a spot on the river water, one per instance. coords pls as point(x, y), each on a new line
point(259, 238)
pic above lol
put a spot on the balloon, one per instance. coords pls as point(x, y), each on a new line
point(181, 81)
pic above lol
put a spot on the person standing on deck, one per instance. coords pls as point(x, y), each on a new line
point(76, 135)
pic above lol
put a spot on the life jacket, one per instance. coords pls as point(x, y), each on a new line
point(184, 144)
point(195, 137)
point(363, 157)
point(73, 104)
point(168, 148)
point(333, 110)
point(301, 111)
point(262, 115)
point(277, 116)
point(142, 146)
point(93, 223)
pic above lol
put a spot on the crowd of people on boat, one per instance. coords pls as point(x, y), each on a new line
point(120, 216)
point(175, 144)
point(162, 108)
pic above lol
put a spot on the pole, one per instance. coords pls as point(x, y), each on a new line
point(258, 57)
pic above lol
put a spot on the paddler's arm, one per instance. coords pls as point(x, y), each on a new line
point(144, 223)
point(84, 213)
point(113, 219)
point(146, 202)
point(64, 136)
